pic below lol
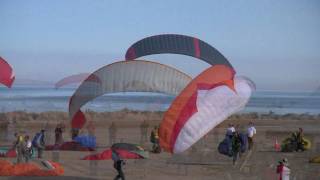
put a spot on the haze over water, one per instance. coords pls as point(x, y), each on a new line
point(46, 98)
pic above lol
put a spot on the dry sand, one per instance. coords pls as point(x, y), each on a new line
point(201, 162)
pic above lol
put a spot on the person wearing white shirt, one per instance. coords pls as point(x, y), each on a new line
point(230, 130)
point(27, 152)
point(251, 132)
point(285, 174)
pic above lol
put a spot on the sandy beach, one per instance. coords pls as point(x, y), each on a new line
point(91, 75)
point(202, 161)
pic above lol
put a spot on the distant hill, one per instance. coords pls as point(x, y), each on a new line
point(31, 82)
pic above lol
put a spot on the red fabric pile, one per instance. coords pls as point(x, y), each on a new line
point(28, 169)
point(10, 153)
point(107, 154)
point(68, 146)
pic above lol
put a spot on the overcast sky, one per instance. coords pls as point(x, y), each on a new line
point(274, 43)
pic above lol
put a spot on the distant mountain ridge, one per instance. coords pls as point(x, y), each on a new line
point(21, 81)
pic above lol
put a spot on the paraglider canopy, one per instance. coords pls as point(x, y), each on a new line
point(127, 146)
point(122, 150)
point(76, 78)
point(176, 44)
point(126, 76)
point(207, 100)
point(6, 73)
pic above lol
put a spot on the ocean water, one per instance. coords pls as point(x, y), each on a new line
point(41, 98)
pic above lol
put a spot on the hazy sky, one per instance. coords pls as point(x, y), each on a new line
point(275, 43)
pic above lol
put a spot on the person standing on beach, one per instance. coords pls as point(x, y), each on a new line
point(300, 144)
point(283, 170)
point(19, 147)
point(154, 138)
point(144, 131)
point(39, 142)
point(279, 169)
point(250, 133)
point(27, 153)
point(74, 133)
point(236, 145)
point(112, 133)
point(230, 130)
point(58, 134)
point(117, 164)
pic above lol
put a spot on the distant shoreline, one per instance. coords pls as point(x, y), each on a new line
point(129, 115)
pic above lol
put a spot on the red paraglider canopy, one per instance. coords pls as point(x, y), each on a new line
point(6, 73)
point(9, 154)
point(125, 151)
point(107, 154)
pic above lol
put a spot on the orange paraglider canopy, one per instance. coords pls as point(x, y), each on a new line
point(29, 169)
point(184, 104)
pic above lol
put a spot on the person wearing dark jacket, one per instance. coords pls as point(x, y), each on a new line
point(236, 145)
point(154, 139)
point(117, 164)
point(58, 134)
point(39, 143)
point(299, 139)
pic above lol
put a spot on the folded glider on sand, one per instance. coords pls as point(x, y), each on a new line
point(68, 146)
point(315, 159)
point(208, 99)
point(11, 152)
point(30, 169)
point(126, 76)
point(125, 151)
point(7, 152)
point(6, 73)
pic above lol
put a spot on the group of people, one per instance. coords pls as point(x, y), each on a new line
point(237, 141)
point(295, 142)
point(24, 146)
